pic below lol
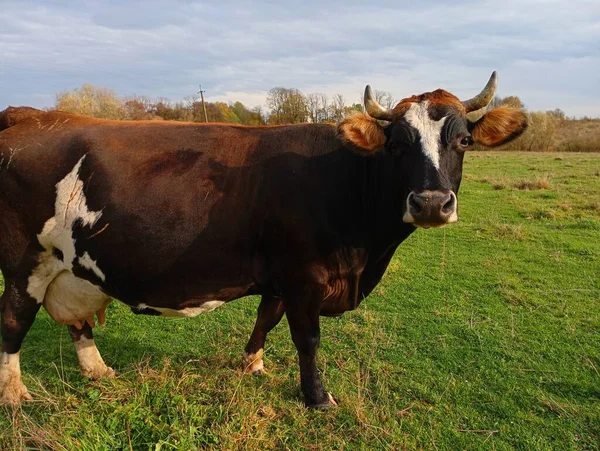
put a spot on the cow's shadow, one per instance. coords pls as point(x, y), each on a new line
point(129, 341)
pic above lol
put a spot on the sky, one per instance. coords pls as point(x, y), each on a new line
point(547, 52)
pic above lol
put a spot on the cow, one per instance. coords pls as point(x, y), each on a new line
point(175, 219)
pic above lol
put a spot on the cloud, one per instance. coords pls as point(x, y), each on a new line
point(544, 50)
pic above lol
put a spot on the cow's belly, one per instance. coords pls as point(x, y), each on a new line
point(70, 299)
point(182, 312)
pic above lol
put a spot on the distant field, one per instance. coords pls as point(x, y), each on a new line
point(483, 335)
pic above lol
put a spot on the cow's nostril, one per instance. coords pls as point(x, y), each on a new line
point(449, 206)
point(414, 204)
point(431, 208)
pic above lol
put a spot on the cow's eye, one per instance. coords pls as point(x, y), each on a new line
point(466, 141)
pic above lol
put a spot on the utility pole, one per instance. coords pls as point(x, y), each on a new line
point(201, 92)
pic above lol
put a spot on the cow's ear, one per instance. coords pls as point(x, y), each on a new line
point(362, 131)
point(498, 126)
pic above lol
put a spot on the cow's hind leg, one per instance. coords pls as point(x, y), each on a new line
point(91, 362)
point(18, 311)
point(270, 312)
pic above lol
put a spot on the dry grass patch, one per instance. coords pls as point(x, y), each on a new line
point(536, 184)
point(497, 184)
point(557, 408)
point(511, 231)
point(541, 214)
point(594, 206)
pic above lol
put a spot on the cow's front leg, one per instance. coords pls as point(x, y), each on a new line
point(91, 362)
point(303, 318)
point(270, 312)
point(18, 311)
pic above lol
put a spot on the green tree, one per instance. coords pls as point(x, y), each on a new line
point(288, 106)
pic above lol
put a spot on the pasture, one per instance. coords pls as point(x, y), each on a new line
point(482, 335)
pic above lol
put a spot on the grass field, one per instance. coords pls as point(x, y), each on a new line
point(483, 335)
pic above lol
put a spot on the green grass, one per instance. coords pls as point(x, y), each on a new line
point(483, 335)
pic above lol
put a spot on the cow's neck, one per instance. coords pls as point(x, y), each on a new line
point(374, 216)
point(376, 204)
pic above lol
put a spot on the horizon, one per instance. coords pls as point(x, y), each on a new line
point(240, 52)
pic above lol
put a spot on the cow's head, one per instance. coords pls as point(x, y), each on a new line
point(429, 134)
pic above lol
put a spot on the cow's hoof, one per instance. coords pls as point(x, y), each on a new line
point(260, 372)
point(253, 364)
point(327, 404)
point(13, 393)
point(99, 373)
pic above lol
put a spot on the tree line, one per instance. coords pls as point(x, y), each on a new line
point(285, 106)
point(548, 130)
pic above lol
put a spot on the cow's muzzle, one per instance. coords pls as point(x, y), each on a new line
point(431, 208)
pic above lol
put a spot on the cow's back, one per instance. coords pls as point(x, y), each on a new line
point(13, 115)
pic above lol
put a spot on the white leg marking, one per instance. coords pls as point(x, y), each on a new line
point(253, 363)
point(90, 360)
point(12, 389)
point(430, 130)
point(186, 312)
point(70, 206)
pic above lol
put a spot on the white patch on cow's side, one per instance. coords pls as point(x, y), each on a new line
point(12, 389)
point(70, 206)
point(253, 363)
point(186, 312)
point(86, 261)
point(91, 362)
point(430, 130)
point(69, 299)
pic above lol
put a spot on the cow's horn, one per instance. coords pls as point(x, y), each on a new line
point(374, 109)
point(484, 98)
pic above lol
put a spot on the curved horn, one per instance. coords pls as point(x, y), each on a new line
point(484, 98)
point(374, 109)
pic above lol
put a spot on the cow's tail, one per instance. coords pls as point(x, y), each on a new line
point(12, 116)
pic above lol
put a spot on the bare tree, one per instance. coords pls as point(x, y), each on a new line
point(313, 104)
point(385, 98)
point(189, 102)
point(338, 104)
point(324, 110)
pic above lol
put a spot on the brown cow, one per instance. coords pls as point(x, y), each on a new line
point(176, 219)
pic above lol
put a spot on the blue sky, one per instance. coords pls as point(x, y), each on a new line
point(546, 51)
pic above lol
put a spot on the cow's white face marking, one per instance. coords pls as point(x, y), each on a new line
point(187, 312)
point(430, 130)
point(70, 206)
